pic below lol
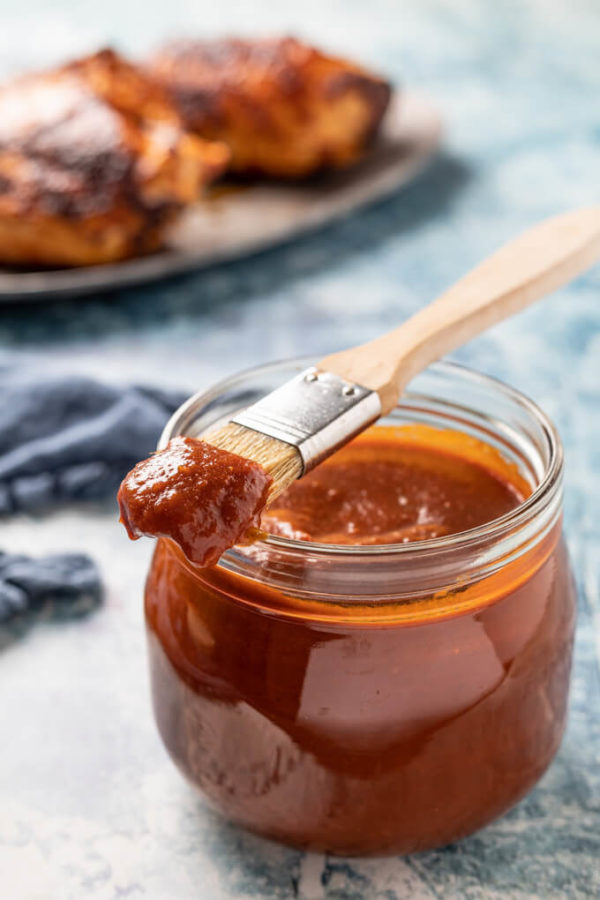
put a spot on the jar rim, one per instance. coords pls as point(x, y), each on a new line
point(464, 540)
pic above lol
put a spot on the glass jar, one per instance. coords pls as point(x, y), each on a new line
point(372, 699)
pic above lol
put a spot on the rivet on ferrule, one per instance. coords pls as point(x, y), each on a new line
point(317, 412)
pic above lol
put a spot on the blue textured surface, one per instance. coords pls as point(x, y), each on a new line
point(518, 84)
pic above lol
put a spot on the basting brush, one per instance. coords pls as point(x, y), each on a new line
point(295, 427)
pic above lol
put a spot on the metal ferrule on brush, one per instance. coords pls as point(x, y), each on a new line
point(316, 412)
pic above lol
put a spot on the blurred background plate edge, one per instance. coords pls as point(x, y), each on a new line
point(224, 227)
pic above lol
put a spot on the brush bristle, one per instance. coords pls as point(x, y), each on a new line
point(280, 460)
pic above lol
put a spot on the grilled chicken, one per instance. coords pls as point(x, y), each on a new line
point(283, 108)
point(94, 164)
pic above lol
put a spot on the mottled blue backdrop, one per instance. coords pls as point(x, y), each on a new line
point(91, 805)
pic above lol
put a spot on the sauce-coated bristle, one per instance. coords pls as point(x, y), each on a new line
point(280, 460)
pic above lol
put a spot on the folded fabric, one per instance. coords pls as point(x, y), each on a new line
point(72, 438)
point(59, 587)
point(65, 438)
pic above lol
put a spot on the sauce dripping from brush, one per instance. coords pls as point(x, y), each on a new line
point(203, 498)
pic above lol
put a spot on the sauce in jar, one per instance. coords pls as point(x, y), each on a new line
point(390, 486)
point(374, 677)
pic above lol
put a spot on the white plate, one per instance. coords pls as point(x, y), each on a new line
point(238, 222)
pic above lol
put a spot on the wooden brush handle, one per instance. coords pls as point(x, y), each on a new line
point(531, 266)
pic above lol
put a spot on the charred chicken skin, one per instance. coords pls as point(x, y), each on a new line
point(94, 164)
point(283, 108)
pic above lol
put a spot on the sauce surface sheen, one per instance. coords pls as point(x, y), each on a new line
point(389, 486)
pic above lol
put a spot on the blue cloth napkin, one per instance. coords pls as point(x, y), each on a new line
point(72, 438)
point(64, 439)
point(62, 586)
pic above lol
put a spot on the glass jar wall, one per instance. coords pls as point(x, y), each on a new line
point(373, 699)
